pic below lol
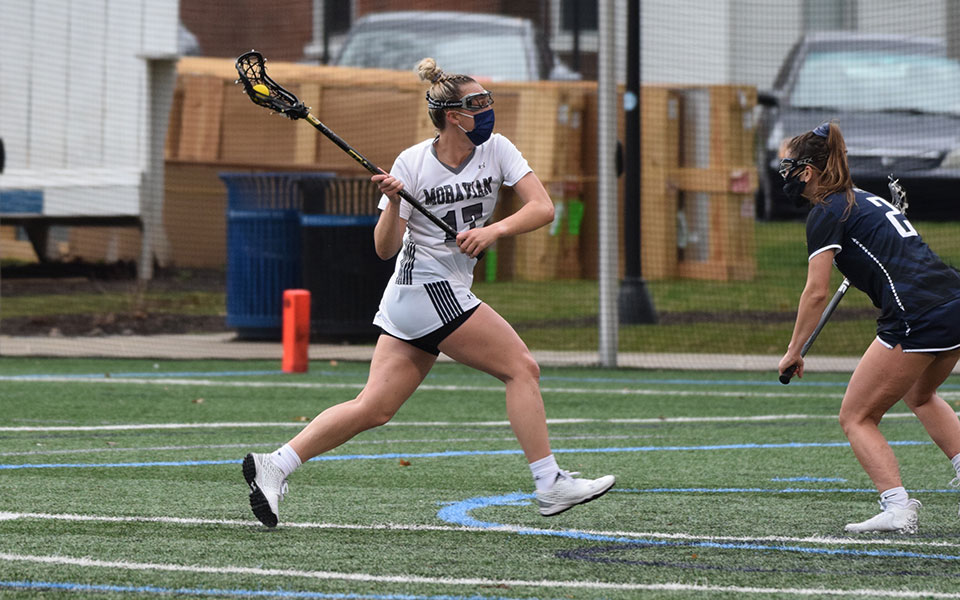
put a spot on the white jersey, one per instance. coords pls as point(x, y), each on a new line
point(430, 267)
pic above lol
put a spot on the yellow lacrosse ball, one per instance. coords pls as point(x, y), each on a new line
point(261, 89)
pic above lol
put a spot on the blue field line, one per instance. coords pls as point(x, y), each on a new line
point(734, 490)
point(840, 479)
point(458, 513)
point(459, 453)
point(273, 593)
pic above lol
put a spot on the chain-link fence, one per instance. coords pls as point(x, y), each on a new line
point(115, 218)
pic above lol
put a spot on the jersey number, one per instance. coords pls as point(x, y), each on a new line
point(468, 215)
point(900, 222)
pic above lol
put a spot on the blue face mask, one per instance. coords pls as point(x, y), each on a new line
point(482, 127)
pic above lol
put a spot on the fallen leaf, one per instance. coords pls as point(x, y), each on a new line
point(404, 463)
point(198, 401)
point(301, 419)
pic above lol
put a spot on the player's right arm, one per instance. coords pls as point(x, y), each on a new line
point(388, 233)
point(813, 299)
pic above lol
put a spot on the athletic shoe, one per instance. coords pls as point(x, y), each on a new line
point(893, 518)
point(569, 491)
point(267, 487)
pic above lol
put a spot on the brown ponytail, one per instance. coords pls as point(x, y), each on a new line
point(829, 156)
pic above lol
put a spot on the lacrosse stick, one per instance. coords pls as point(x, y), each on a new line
point(898, 198)
point(267, 93)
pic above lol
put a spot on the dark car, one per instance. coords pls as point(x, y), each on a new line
point(897, 102)
point(489, 46)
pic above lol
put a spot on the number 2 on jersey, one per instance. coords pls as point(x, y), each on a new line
point(900, 222)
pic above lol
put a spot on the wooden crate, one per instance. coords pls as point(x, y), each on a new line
point(12, 248)
point(554, 124)
point(199, 118)
point(715, 199)
point(195, 215)
point(660, 153)
point(378, 112)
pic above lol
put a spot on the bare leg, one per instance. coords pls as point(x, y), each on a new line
point(396, 370)
point(938, 418)
point(880, 380)
point(487, 342)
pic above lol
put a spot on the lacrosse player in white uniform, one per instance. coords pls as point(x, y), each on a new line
point(427, 306)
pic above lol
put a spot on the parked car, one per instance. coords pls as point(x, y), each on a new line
point(488, 46)
point(897, 101)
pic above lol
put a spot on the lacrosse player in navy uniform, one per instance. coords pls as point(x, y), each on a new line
point(918, 330)
point(428, 307)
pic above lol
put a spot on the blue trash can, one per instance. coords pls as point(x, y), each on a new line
point(263, 248)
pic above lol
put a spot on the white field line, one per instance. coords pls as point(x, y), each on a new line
point(349, 443)
point(471, 581)
point(629, 391)
point(431, 387)
point(818, 540)
point(575, 421)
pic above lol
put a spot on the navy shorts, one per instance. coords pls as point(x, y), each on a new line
point(937, 330)
point(431, 342)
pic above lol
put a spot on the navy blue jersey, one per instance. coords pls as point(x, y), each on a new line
point(882, 254)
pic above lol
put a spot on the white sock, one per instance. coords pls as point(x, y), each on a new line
point(956, 464)
point(895, 497)
point(286, 459)
point(545, 472)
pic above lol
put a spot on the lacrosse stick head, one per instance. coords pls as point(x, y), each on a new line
point(898, 196)
point(253, 77)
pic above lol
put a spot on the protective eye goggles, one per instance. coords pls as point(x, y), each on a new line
point(477, 101)
point(789, 165)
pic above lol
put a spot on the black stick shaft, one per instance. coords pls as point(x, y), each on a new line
point(824, 317)
point(336, 139)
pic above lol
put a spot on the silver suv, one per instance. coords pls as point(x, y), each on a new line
point(493, 47)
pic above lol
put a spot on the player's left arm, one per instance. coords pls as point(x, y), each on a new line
point(537, 211)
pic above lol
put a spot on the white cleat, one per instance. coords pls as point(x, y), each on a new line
point(892, 518)
point(267, 487)
point(569, 491)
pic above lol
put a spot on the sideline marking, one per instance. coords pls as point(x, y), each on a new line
point(454, 454)
point(275, 444)
point(572, 421)
point(825, 540)
point(423, 386)
point(466, 581)
point(363, 373)
point(278, 593)
point(809, 478)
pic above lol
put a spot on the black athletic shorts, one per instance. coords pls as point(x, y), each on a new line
point(431, 341)
point(937, 330)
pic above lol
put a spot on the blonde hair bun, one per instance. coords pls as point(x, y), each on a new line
point(428, 70)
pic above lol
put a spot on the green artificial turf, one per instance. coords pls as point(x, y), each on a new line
point(725, 484)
